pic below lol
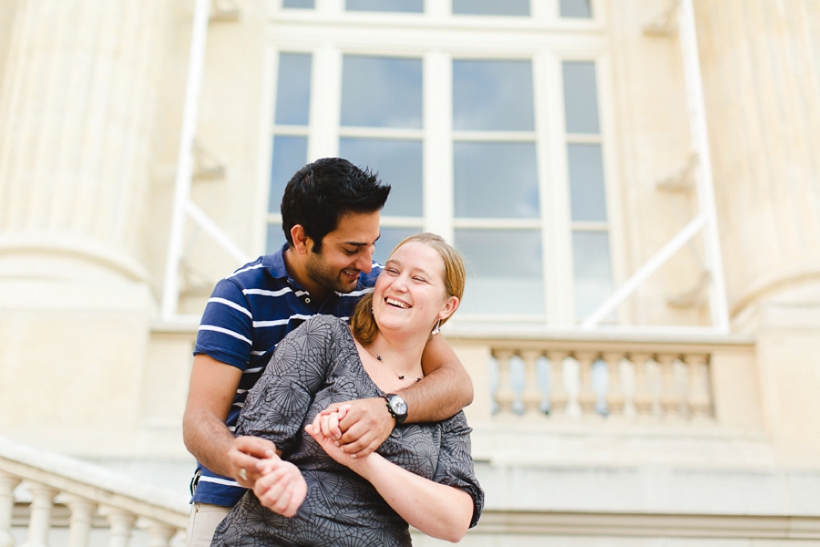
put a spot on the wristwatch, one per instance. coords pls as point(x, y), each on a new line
point(397, 407)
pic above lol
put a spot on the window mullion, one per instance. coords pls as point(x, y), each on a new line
point(325, 103)
point(438, 147)
point(557, 222)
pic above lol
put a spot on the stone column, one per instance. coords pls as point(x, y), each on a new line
point(760, 67)
point(76, 114)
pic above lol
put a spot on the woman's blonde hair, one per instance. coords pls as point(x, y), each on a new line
point(364, 324)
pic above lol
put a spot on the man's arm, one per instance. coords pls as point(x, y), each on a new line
point(445, 389)
point(210, 395)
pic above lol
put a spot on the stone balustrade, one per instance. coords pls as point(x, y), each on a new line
point(643, 381)
point(40, 491)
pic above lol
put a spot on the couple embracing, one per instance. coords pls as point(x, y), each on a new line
point(352, 428)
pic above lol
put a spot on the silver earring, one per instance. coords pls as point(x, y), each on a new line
point(437, 328)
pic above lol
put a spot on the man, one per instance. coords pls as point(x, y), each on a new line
point(330, 216)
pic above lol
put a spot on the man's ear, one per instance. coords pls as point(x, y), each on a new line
point(450, 308)
point(301, 241)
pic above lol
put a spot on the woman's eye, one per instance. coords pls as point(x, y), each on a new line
point(392, 271)
point(420, 279)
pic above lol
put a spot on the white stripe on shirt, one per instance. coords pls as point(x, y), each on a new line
point(355, 293)
point(237, 272)
point(263, 292)
point(225, 331)
point(216, 480)
point(231, 304)
point(279, 322)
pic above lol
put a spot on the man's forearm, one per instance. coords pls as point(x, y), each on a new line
point(209, 440)
point(439, 395)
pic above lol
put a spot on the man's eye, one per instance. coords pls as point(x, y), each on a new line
point(348, 252)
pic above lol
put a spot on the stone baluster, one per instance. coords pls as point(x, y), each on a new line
point(532, 395)
point(80, 521)
point(670, 398)
point(121, 524)
point(615, 400)
point(7, 485)
point(643, 398)
point(159, 534)
point(699, 401)
point(505, 395)
point(586, 395)
point(559, 399)
point(39, 524)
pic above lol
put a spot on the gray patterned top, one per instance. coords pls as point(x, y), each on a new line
point(314, 366)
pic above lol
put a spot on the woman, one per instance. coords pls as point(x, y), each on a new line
point(421, 475)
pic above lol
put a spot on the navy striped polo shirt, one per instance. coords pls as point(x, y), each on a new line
point(248, 314)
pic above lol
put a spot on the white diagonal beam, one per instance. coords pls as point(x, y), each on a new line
point(663, 254)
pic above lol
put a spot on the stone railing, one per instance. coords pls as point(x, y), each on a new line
point(704, 380)
point(42, 491)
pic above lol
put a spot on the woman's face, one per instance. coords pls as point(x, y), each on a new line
point(410, 294)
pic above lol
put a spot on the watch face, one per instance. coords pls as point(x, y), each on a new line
point(398, 405)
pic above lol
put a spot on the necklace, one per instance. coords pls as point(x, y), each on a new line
point(401, 376)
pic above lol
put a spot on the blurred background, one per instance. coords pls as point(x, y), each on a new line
point(635, 185)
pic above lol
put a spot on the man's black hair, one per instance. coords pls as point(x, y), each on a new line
point(320, 193)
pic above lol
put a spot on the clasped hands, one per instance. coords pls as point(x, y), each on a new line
point(348, 432)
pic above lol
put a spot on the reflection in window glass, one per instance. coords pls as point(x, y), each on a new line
point(492, 95)
point(289, 155)
point(305, 4)
point(586, 181)
point(580, 97)
point(495, 180)
point(593, 273)
point(275, 238)
point(399, 164)
point(576, 8)
point(381, 92)
point(407, 6)
point(293, 93)
point(491, 7)
point(504, 273)
point(388, 239)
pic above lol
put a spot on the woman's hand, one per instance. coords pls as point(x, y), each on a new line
point(325, 431)
point(281, 488)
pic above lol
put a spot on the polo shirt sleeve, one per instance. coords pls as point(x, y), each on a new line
point(278, 403)
point(455, 464)
point(226, 330)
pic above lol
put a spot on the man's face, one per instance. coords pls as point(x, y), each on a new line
point(346, 252)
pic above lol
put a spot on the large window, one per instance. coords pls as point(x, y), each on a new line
point(493, 139)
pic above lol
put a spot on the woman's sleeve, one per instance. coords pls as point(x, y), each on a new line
point(455, 464)
point(277, 404)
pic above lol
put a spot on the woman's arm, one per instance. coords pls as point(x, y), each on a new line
point(438, 510)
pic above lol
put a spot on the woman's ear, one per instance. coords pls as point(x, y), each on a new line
point(449, 308)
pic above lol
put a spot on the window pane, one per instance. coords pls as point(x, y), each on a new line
point(293, 89)
point(491, 7)
point(593, 274)
point(398, 163)
point(410, 6)
point(275, 238)
point(289, 155)
point(576, 8)
point(495, 180)
point(306, 4)
point(504, 273)
point(586, 181)
point(388, 239)
point(580, 97)
point(492, 95)
point(381, 92)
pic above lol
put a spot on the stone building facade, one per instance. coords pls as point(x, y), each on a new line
point(580, 153)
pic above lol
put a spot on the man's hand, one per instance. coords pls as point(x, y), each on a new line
point(250, 454)
point(281, 488)
point(364, 427)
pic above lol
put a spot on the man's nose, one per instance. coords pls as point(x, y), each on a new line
point(364, 260)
